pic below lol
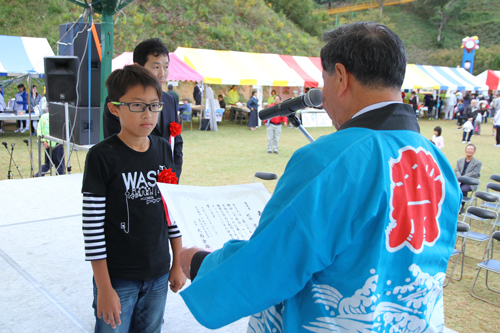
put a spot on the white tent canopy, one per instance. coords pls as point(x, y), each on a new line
point(23, 55)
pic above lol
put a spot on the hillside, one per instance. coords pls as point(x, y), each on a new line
point(254, 26)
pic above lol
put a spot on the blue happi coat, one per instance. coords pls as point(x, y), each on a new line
point(355, 238)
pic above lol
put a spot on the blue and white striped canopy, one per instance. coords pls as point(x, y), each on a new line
point(23, 55)
point(450, 78)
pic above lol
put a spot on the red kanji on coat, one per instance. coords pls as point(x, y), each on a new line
point(417, 195)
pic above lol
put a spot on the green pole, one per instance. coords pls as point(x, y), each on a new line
point(107, 8)
point(107, 56)
point(336, 19)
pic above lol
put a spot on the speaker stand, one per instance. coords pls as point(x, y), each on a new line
point(66, 116)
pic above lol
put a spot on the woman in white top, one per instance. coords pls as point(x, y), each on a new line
point(437, 139)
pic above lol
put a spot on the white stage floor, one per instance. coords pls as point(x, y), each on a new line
point(45, 283)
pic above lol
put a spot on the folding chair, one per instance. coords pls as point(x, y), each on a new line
point(481, 214)
point(264, 176)
point(490, 265)
point(490, 201)
point(495, 178)
point(464, 229)
point(468, 181)
point(241, 115)
point(189, 116)
point(494, 189)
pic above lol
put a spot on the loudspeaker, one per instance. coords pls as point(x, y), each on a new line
point(74, 41)
point(60, 76)
point(79, 124)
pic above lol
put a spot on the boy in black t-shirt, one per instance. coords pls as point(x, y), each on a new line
point(125, 226)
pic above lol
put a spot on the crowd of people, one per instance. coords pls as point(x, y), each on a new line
point(470, 110)
point(53, 151)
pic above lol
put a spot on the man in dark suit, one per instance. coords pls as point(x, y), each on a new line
point(172, 93)
point(197, 94)
point(153, 55)
point(468, 167)
point(414, 101)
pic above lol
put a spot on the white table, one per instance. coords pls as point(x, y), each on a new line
point(12, 116)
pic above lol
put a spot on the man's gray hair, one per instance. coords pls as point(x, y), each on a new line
point(371, 52)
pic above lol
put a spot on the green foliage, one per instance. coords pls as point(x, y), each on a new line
point(301, 13)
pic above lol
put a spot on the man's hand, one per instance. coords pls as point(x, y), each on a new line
point(185, 256)
point(109, 307)
point(176, 278)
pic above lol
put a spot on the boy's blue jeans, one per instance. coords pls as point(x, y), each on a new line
point(142, 302)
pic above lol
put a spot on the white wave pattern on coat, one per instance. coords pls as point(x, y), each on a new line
point(418, 302)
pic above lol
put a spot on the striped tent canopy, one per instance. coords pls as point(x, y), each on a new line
point(450, 78)
point(178, 70)
point(490, 78)
point(23, 55)
point(415, 78)
point(240, 68)
point(309, 68)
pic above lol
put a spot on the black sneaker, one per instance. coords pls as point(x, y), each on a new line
point(275, 151)
point(269, 151)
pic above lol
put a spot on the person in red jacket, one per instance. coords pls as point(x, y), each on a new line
point(274, 129)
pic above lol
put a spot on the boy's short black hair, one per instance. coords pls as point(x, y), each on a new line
point(220, 96)
point(153, 46)
point(121, 80)
point(438, 129)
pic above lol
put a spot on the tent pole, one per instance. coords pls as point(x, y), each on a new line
point(30, 148)
point(260, 95)
point(107, 57)
point(66, 117)
point(203, 101)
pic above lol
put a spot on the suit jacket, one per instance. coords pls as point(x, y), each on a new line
point(473, 170)
point(176, 98)
point(197, 95)
point(111, 125)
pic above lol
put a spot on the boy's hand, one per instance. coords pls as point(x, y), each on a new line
point(109, 307)
point(177, 278)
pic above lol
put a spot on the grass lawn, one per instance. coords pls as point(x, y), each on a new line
point(234, 153)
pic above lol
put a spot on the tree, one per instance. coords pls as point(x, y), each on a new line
point(381, 5)
point(451, 8)
point(440, 11)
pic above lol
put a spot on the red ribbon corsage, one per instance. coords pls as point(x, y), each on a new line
point(175, 129)
point(167, 176)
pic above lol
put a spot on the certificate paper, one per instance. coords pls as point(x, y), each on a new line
point(210, 216)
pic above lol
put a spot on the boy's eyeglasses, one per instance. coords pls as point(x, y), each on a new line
point(141, 107)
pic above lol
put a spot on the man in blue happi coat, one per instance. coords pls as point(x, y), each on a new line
point(359, 230)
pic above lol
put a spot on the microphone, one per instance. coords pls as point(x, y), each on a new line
point(312, 98)
point(5, 144)
point(26, 142)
